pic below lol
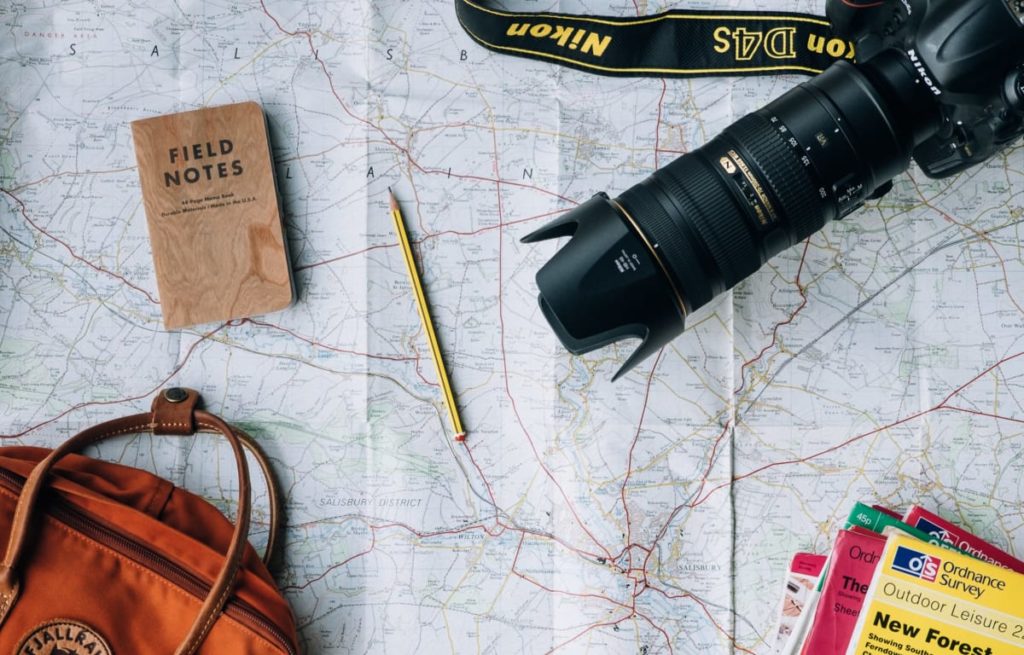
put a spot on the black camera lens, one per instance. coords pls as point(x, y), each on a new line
point(636, 266)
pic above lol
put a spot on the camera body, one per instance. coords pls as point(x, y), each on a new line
point(967, 53)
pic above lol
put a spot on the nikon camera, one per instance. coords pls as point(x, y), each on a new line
point(937, 81)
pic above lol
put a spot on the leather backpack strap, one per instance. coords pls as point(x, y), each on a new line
point(174, 412)
point(273, 492)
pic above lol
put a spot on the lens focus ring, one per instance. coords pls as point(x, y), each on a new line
point(705, 202)
point(799, 203)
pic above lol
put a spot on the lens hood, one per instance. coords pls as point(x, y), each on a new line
point(606, 284)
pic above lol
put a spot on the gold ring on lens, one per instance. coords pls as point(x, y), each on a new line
point(654, 254)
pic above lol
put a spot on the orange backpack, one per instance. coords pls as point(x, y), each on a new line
point(103, 559)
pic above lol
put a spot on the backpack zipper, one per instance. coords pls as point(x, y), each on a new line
point(101, 533)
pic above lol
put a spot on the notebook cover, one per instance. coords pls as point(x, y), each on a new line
point(212, 208)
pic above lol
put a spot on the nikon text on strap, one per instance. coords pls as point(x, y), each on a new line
point(677, 43)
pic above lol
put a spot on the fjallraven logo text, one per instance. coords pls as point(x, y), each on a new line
point(573, 38)
point(61, 637)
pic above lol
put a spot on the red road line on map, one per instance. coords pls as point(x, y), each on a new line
point(308, 583)
point(318, 344)
point(976, 412)
point(419, 371)
point(504, 365)
point(467, 528)
point(978, 377)
point(75, 255)
point(657, 125)
point(941, 406)
point(711, 457)
point(504, 527)
point(368, 520)
point(553, 537)
point(632, 569)
point(487, 484)
point(792, 317)
point(488, 228)
point(515, 560)
point(433, 235)
point(603, 624)
point(629, 460)
point(803, 460)
point(426, 535)
point(346, 256)
point(51, 176)
point(147, 394)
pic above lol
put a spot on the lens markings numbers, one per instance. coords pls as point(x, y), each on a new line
point(800, 152)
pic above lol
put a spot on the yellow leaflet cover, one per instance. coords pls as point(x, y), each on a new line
point(925, 600)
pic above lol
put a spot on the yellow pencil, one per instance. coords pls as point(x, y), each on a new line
point(428, 324)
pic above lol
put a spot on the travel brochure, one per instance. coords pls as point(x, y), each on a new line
point(920, 586)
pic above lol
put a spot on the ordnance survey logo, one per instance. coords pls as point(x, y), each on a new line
point(916, 564)
point(928, 527)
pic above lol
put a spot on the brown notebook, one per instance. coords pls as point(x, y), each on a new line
point(214, 220)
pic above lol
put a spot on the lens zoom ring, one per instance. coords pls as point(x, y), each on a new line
point(800, 204)
point(712, 210)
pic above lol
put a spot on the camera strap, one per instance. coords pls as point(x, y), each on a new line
point(676, 43)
